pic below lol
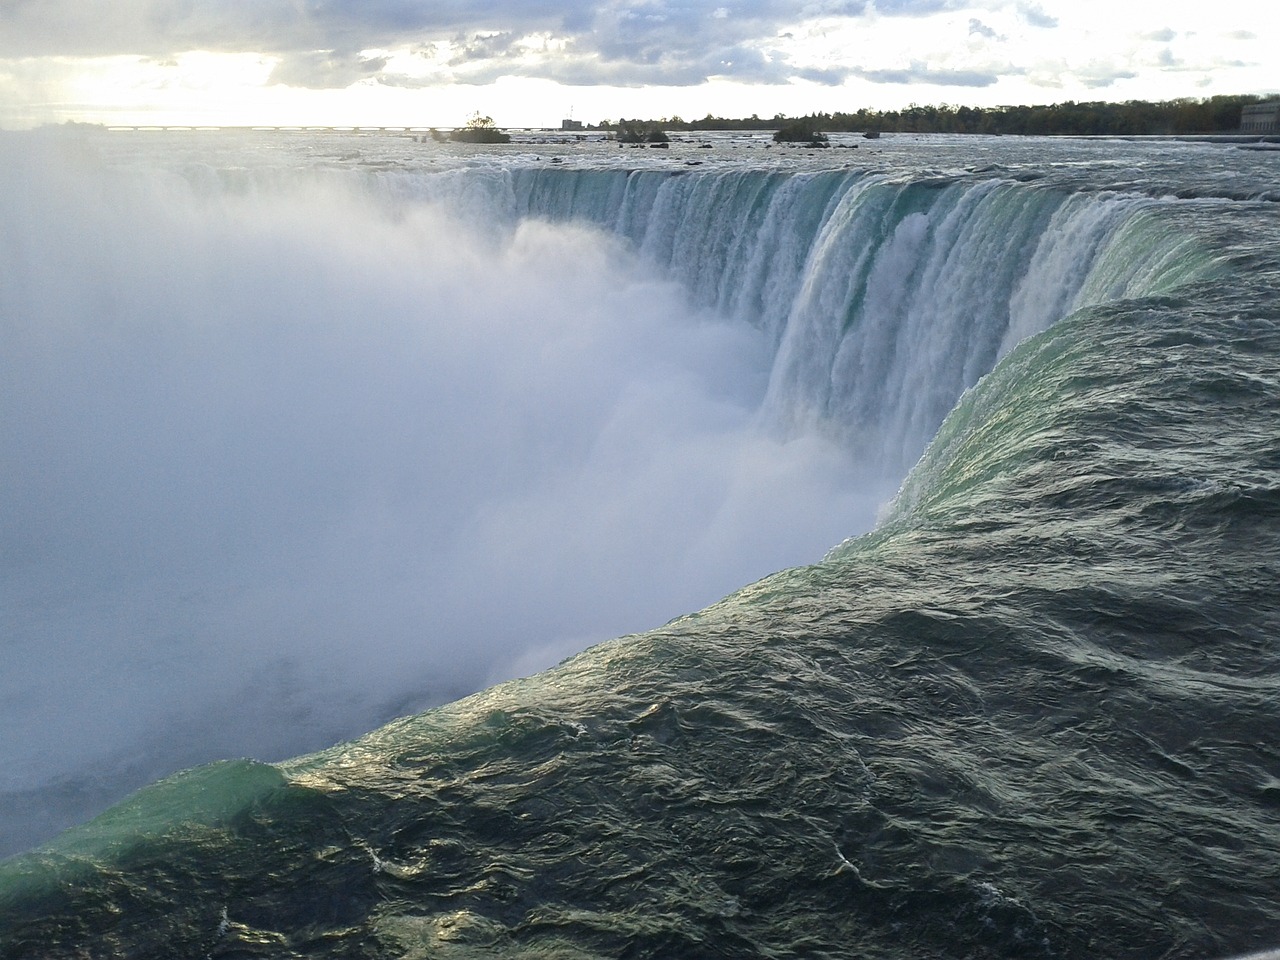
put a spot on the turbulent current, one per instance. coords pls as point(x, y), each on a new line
point(302, 433)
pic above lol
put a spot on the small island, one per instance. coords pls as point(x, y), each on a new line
point(803, 130)
point(480, 130)
point(636, 132)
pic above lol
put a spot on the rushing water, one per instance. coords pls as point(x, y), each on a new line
point(1030, 713)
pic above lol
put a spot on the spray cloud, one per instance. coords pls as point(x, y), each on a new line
point(281, 463)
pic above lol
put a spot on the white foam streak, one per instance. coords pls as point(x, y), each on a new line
point(1056, 277)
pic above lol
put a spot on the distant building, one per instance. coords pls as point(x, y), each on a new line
point(570, 124)
point(1261, 117)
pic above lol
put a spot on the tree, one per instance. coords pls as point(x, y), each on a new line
point(804, 130)
point(639, 131)
point(480, 130)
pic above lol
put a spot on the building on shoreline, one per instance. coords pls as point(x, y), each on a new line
point(1260, 117)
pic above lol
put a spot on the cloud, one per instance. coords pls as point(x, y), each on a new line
point(917, 8)
point(576, 67)
point(979, 29)
point(325, 69)
point(163, 27)
point(319, 43)
point(1161, 36)
point(923, 73)
point(490, 46)
point(1035, 16)
point(827, 76)
point(1097, 76)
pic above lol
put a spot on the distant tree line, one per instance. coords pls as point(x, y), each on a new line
point(1220, 114)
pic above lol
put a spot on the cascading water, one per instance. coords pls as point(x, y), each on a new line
point(1031, 714)
point(887, 298)
point(309, 407)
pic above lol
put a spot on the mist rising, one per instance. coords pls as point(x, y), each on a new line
point(279, 464)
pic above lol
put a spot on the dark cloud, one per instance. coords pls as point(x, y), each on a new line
point(480, 47)
point(828, 76)
point(658, 31)
point(165, 27)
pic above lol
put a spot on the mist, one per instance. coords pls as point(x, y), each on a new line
point(281, 464)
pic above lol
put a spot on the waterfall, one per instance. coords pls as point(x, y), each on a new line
point(885, 297)
point(288, 451)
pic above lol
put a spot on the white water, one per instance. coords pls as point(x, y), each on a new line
point(886, 297)
point(288, 453)
point(279, 464)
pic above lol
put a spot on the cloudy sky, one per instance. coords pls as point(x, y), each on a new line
point(529, 62)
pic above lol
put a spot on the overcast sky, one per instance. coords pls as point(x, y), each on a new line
point(529, 62)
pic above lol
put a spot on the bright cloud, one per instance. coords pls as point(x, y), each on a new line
point(414, 61)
